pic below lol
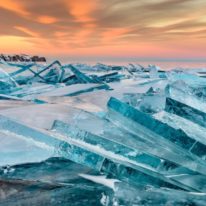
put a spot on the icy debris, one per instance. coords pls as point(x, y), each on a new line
point(141, 128)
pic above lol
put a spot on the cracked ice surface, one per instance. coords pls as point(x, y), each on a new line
point(101, 135)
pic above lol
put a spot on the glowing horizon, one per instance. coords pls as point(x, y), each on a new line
point(115, 28)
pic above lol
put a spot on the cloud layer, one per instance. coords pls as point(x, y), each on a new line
point(143, 28)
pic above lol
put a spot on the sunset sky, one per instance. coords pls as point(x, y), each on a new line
point(113, 28)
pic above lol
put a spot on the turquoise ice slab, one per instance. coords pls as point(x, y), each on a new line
point(71, 131)
point(150, 130)
point(78, 153)
point(176, 136)
point(193, 115)
point(185, 93)
point(121, 170)
point(136, 156)
point(81, 76)
point(185, 111)
point(190, 79)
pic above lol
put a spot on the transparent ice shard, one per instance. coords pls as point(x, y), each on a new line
point(153, 70)
point(81, 76)
point(186, 94)
point(185, 111)
point(194, 133)
point(190, 79)
point(136, 122)
point(150, 102)
point(176, 136)
point(192, 129)
point(132, 68)
point(111, 77)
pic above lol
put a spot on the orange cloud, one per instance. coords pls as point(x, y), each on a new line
point(81, 10)
point(15, 6)
point(47, 19)
point(27, 31)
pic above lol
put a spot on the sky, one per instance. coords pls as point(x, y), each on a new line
point(112, 28)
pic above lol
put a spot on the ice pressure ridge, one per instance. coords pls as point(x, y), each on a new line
point(141, 128)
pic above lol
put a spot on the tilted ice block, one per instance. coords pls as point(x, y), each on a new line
point(134, 68)
point(198, 92)
point(71, 79)
point(111, 77)
point(81, 76)
point(107, 144)
point(177, 136)
point(185, 111)
point(192, 130)
point(54, 75)
point(137, 122)
point(146, 102)
point(182, 92)
point(138, 157)
point(112, 138)
point(82, 154)
point(106, 76)
point(43, 71)
point(190, 79)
